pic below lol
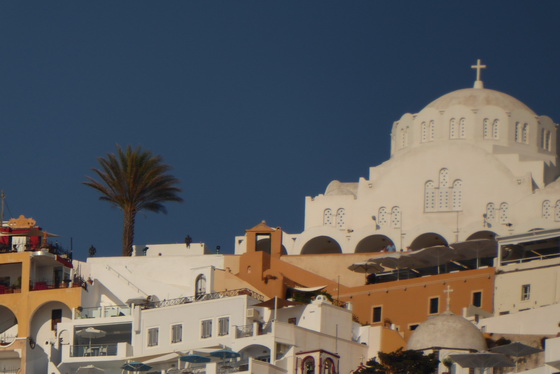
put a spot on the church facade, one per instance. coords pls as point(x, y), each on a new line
point(473, 164)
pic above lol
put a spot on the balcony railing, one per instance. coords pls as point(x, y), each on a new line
point(244, 331)
point(9, 289)
point(93, 350)
point(103, 312)
point(204, 297)
point(6, 339)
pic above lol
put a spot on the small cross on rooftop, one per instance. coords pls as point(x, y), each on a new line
point(448, 292)
point(478, 83)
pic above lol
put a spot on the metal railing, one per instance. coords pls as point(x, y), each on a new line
point(96, 350)
point(204, 297)
point(128, 282)
point(244, 331)
point(103, 312)
point(7, 339)
point(528, 259)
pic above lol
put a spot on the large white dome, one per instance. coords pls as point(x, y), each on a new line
point(476, 98)
point(447, 330)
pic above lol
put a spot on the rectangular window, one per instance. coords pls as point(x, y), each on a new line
point(376, 317)
point(223, 326)
point(434, 305)
point(526, 292)
point(153, 335)
point(206, 328)
point(56, 318)
point(176, 333)
point(477, 298)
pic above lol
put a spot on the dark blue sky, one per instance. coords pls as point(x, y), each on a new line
point(255, 104)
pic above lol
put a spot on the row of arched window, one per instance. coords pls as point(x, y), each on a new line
point(500, 214)
point(394, 216)
point(546, 140)
point(443, 197)
point(338, 220)
point(491, 129)
point(550, 211)
point(522, 133)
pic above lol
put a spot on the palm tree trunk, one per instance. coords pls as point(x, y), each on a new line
point(128, 230)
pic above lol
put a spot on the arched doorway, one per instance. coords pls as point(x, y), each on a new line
point(8, 326)
point(374, 243)
point(428, 239)
point(321, 244)
point(490, 235)
point(256, 351)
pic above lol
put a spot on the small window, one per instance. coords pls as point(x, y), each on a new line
point(223, 326)
point(153, 336)
point(526, 292)
point(206, 329)
point(376, 317)
point(477, 298)
point(176, 333)
point(434, 305)
point(413, 327)
point(56, 318)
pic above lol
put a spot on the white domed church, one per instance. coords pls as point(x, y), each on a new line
point(472, 164)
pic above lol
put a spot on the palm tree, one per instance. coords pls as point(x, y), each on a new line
point(134, 180)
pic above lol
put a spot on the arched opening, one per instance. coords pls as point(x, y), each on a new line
point(375, 243)
point(321, 244)
point(264, 245)
point(428, 239)
point(44, 328)
point(308, 365)
point(490, 235)
point(256, 351)
point(8, 326)
point(200, 286)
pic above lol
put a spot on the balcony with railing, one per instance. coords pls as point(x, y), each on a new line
point(103, 312)
point(204, 297)
point(96, 352)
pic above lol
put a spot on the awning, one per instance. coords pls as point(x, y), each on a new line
point(64, 261)
point(482, 360)
point(280, 303)
point(308, 289)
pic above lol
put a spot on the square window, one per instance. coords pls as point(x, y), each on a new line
point(206, 327)
point(477, 298)
point(223, 326)
point(377, 312)
point(526, 292)
point(176, 333)
point(434, 305)
point(153, 335)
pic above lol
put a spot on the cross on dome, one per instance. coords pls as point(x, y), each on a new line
point(478, 83)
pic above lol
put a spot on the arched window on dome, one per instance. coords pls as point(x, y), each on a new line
point(548, 141)
point(457, 195)
point(424, 129)
point(453, 133)
point(496, 129)
point(542, 138)
point(328, 367)
point(443, 190)
point(396, 217)
point(557, 211)
point(404, 137)
point(340, 218)
point(308, 365)
point(517, 132)
point(432, 133)
point(490, 212)
point(504, 213)
point(200, 286)
point(546, 209)
point(462, 129)
point(429, 197)
point(486, 128)
point(327, 217)
point(525, 134)
point(382, 216)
